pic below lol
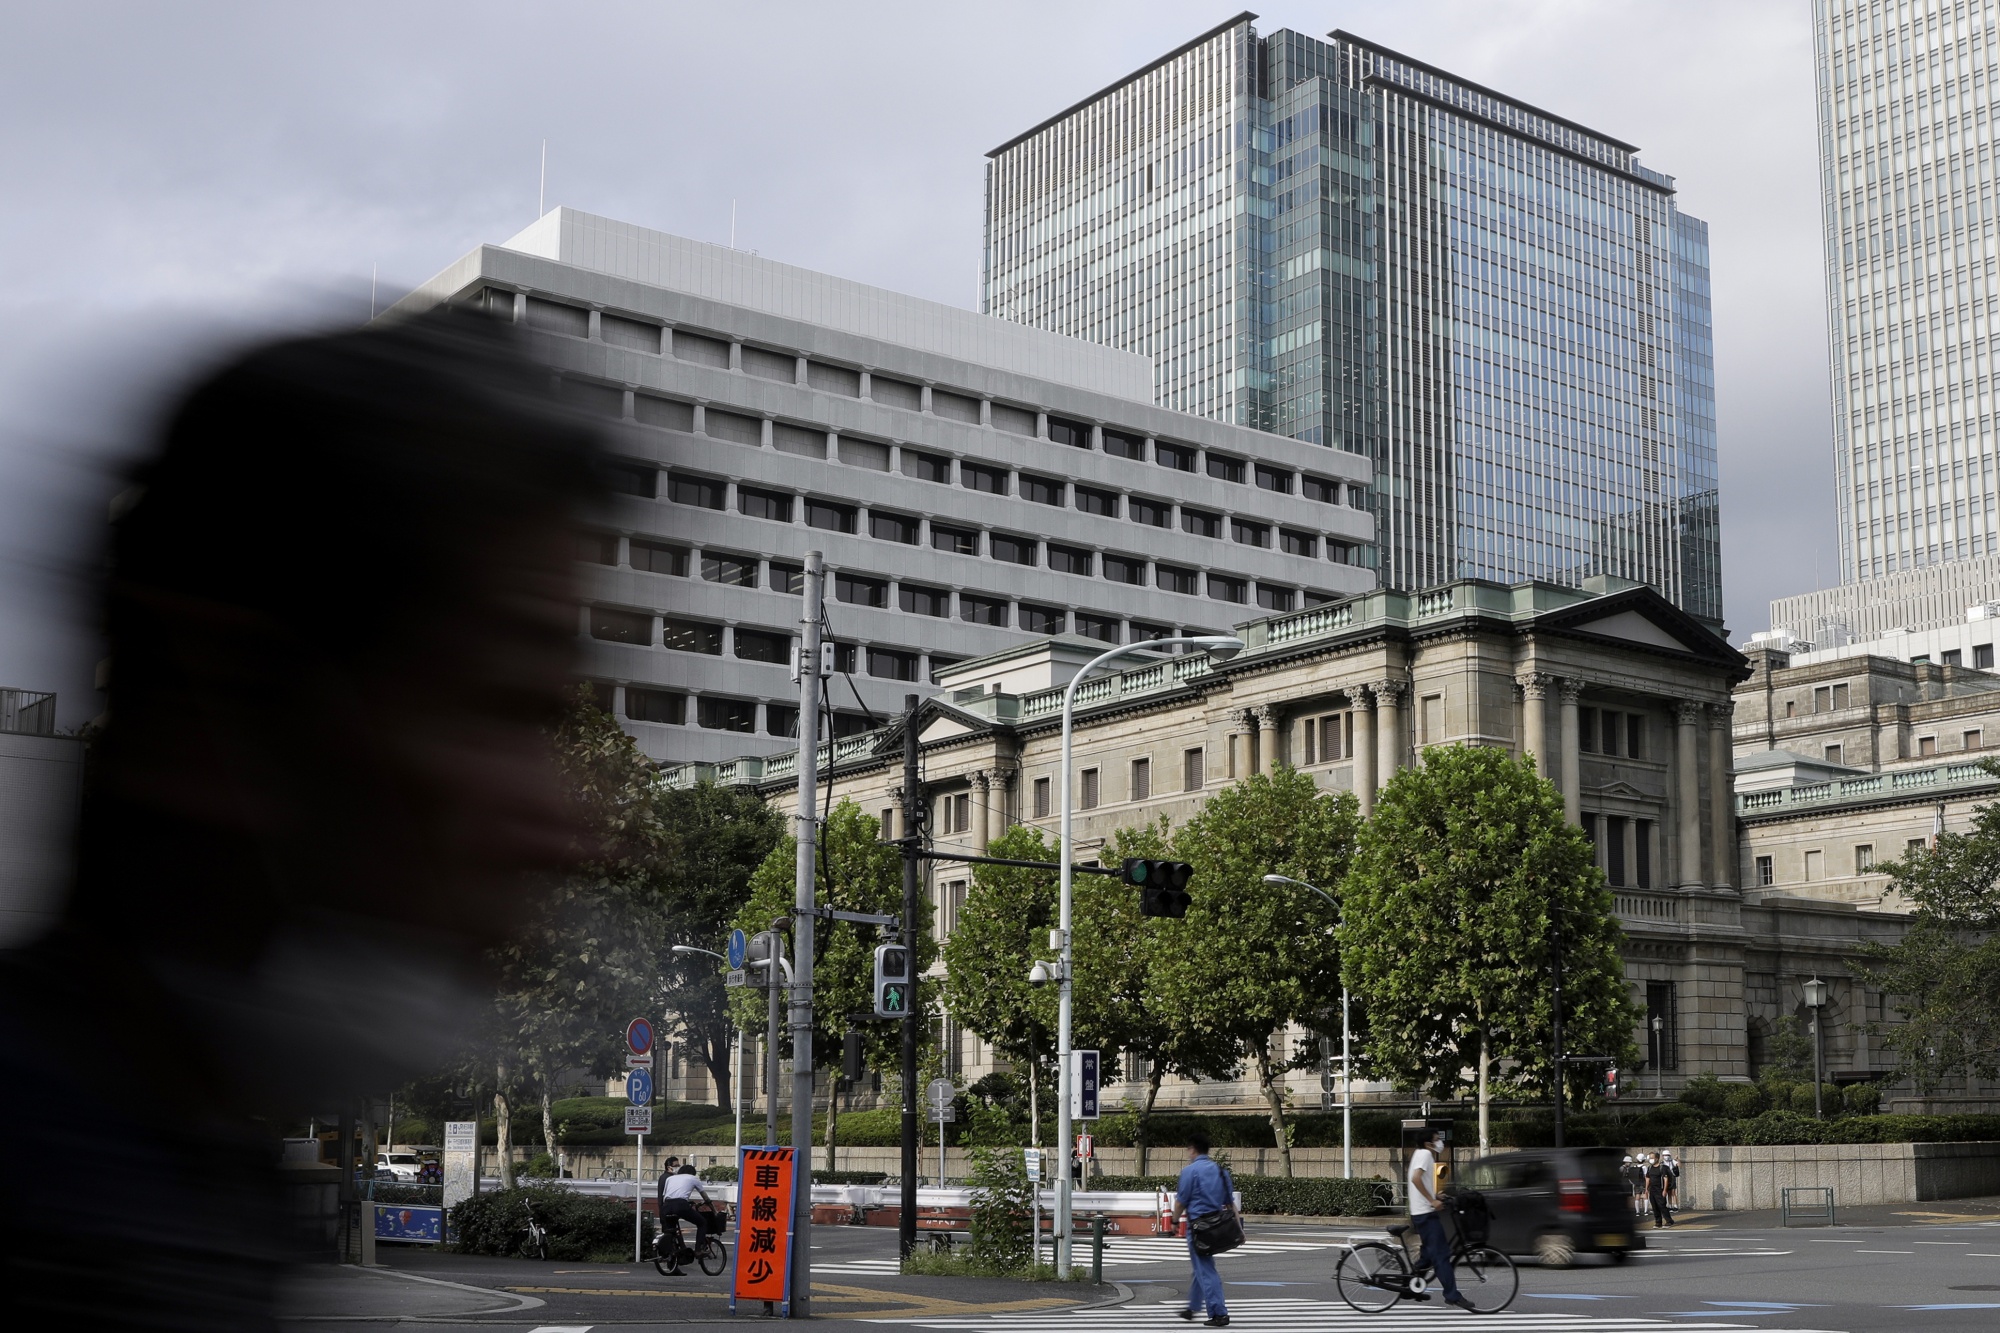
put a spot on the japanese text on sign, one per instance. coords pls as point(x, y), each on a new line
point(763, 1226)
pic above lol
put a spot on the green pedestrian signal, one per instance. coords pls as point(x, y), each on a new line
point(893, 982)
point(1162, 886)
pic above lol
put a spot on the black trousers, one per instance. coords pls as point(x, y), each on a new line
point(1658, 1199)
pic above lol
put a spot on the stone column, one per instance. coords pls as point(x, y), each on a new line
point(1270, 718)
point(1003, 802)
point(1535, 719)
point(1363, 700)
point(1243, 743)
point(1687, 800)
point(1388, 729)
point(1572, 749)
point(982, 796)
point(1721, 802)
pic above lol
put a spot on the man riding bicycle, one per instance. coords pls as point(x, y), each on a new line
point(678, 1190)
point(1424, 1216)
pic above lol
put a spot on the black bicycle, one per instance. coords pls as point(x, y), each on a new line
point(535, 1237)
point(1373, 1275)
point(708, 1250)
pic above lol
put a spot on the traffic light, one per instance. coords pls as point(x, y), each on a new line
point(892, 981)
point(1610, 1084)
point(850, 1057)
point(1162, 885)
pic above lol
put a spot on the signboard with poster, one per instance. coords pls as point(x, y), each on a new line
point(763, 1229)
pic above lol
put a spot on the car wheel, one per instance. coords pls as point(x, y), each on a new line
point(1619, 1256)
point(1555, 1250)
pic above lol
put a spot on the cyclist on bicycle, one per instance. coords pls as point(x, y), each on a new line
point(677, 1192)
point(1428, 1221)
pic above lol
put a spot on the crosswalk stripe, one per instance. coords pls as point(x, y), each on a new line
point(1310, 1316)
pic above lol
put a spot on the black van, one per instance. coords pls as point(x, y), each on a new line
point(1555, 1203)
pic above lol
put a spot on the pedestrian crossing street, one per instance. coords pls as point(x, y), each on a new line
point(1299, 1315)
point(1119, 1252)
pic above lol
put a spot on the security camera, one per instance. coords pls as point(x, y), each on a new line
point(1038, 975)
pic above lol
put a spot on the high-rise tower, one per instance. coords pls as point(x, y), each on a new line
point(1503, 310)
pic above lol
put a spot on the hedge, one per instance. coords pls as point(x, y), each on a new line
point(582, 1227)
point(727, 1175)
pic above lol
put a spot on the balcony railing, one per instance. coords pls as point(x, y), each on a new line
point(1939, 780)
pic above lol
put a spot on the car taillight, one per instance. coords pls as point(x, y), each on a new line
point(1575, 1197)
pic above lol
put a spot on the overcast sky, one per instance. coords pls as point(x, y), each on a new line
point(179, 174)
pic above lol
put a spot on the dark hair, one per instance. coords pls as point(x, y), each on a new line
point(687, 1170)
point(1199, 1142)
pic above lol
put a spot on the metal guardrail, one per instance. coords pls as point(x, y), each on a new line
point(1806, 1203)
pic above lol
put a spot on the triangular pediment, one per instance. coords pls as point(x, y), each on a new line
point(944, 726)
point(1644, 619)
point(1633, 627)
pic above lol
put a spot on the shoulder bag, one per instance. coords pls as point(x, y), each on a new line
point(1218, 1232)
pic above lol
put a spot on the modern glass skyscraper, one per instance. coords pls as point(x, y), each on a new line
point(1906, 119)
point(1502, 309)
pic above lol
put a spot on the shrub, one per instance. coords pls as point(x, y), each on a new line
point(1001, 1200)
point(1861, 1098)
point(581, 1227)
point(540, 1167)
point(1743, 1101)
point(1706, 1094)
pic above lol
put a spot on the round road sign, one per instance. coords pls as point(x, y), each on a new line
point(739, 949)
point(639, 1036)
point(940, 1093)
point(639, 1087)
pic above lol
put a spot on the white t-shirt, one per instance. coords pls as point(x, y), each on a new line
point(1423, 1166)
point(682, 1187)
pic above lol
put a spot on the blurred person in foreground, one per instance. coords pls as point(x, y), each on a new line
point(341, 625)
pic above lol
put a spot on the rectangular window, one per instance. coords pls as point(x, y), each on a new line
point(754, 503)
point(1662, 1027)
point(1430, 719)
point(729, 426)
point(1069, 559)
point(1091, 625)
point(1926, 746)
point(1143, 631)
point(632, 333)
point(858, 591)
point(1766, 874)
point(978, 477)
point(756, 645)
point(665, 706)
point(1013, 420)
point(662, 412)
point(957, 541)
point(597, 548)
point(954, 406)
point(555, 317)
point(1179, 457)
point(691, 636)
point(1274, 598)
point(659, 558)
point(1982, 656)
point(1041, 490)
point(961, 812)
point(1102, 503)
point(1191, 774)
point(1357, 497)
point(1973, 738)
point(1823, 699)
point(737, 570)
point(1248, 533)
point(1120, 445)
point(1609, 734)
point(725, 714)
point(786, 578)
point(892, 527)
point(1072, 433)
point(833, 379)
point(1041, 798)
point(1635, 735)
point(1153, 513)
point(1294, 542)
point(1225, 589)
point(1915, 845)
point(1614, 850)
point(1644, 843)
point(1815, 866)
point(702, 351)
point(1952, 657)
point(892, 665)
point(1839, 697)
point(697, 491)
point(1088, 794)
point(1864, 858)
point(1124, 569)
point(620, 626)
point(1171, 579)
point(926, 467)
point(981, 610)
point(829, 517)
point(850, 724)
point(781, 720)
point(895, 393)
point(921, 601)
point(798, 440)
point(1042, 619)
point(1142, 779)
point(1201, 524)
point(1274, 479)
point(1586, 730)
point(1224, 468)
point(864, 453)
point(1010, 549)
point(1833, 755)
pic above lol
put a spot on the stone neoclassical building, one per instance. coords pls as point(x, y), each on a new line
point(1624, 701)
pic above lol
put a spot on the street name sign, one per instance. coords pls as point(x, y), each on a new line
point(1083, 1086)
point(736, 977)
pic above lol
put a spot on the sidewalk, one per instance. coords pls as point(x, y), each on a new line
point(339, 1293)
point(1864, 1215)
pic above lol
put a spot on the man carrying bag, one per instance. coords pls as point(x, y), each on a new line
point(1205, 1195)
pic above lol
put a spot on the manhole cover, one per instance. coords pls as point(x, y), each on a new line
point(1980, 1286)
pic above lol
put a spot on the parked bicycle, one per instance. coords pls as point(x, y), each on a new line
point(1373, 1275)
point(670, 1251)
point(535, 1241)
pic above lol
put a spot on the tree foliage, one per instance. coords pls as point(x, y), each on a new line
point(1465, 879)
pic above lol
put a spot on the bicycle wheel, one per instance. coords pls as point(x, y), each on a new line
point(1487, 1278)
point(536, 1246)
point(712, 1255)
point(1371, 1277)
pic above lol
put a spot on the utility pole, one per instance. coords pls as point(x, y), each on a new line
point(1557, 1076)
point(804, 904)
point(914, 808)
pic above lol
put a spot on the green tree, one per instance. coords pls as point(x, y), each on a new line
point(1945, 972)
point(1464, 880)
point(857, 873)
point(1250, 959)
point(1002, 930)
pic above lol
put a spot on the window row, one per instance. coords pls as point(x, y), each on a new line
point(717, 712)
point(1814, 859)
point(1090, 787)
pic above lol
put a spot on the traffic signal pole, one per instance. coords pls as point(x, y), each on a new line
point(913, 818)
point(803, 917)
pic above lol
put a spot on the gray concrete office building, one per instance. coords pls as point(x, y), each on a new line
point(973, 483)
point(1505, 312)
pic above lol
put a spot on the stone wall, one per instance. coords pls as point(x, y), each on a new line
point(1860, 1173)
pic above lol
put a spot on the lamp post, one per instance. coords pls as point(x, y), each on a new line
point(1658, 1054)
point(1815, 998)
point(742, 1045)
point(1221, 647)
point(1346, 1037)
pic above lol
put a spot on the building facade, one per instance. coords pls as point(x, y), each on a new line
point(1501, 310)
point(972, 483)
point(41, 794)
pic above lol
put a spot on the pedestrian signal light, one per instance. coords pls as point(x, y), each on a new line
point(850, 1057)
point(892, 981)
point(1611, 1082)
point(1162, 885)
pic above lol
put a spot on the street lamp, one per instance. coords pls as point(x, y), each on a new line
point(742, 1047)
point(1815, 998)
point(1221, 647)
point(1659, 1055)
point(1346, 1038)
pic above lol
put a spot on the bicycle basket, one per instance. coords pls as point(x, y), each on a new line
point(712, 1221)
point(1470, 1212)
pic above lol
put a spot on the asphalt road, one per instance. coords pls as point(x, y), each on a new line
point(1705, 1275)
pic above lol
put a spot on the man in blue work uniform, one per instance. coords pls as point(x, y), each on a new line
point(1202, 1191)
